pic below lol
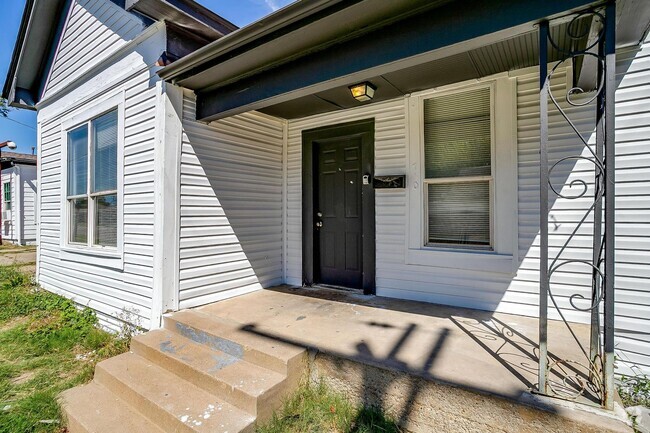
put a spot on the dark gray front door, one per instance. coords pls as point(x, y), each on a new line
point(338, 212)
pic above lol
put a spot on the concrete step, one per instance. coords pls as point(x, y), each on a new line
point(232, 338)
point(171, 402)
point(249, 387)
point(92, 408)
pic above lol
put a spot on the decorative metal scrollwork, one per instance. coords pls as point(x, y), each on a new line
point(591, 377)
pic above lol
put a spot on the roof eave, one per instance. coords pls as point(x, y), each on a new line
point(8, 90)
point(184, 13)
point(268, 24)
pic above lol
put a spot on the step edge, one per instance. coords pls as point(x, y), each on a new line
point(280, 365)
point(254, 400)
point(69, 411)
point(156, 413)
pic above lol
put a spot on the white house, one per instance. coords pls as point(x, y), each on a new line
point(18, 198)
point(182, 161)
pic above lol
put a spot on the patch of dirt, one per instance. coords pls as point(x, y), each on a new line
point(23, 378)
point(16, 321)
point(17, 258)
point(28, 268)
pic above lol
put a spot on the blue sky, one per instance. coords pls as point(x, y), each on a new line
point(21, 125)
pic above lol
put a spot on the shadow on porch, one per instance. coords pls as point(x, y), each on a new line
point(428, 365)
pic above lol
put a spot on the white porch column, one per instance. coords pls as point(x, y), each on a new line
point(167, 155)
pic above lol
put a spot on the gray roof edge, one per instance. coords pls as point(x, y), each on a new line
point(190, 9)
point(268, 24)
point(11, 90)
point(18, 48)
point(18, 158)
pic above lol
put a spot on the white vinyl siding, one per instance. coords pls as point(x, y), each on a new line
point(390, 158)
point(632, 203)
point(124, 290)
point(394, 278)
point(518, 293)
point(28, 201)
point(233, 236)
point(94, 30)
point(23, 195)
point(522, 295)
point(231, 206)
point(633, 209)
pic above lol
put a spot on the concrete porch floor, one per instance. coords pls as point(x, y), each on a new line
point(489, 353)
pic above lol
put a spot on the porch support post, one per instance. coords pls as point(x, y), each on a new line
point(167, 157)
point(598, 241)
point(543, 207)
point(610, 83)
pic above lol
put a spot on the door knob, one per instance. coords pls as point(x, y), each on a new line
point(319, 224)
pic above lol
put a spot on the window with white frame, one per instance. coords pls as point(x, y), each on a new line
point(92, 182)
point(6, 189)
point(458, 169)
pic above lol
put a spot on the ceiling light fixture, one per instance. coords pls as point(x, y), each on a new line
point(363, 92)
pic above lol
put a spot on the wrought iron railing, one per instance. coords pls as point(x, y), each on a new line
point(591, 35)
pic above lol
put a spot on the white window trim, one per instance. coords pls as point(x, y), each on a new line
point(502, 256)
point(103, 256)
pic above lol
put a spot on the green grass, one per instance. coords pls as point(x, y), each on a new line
point(318, 409)
point(635, 390)
point(47, 345)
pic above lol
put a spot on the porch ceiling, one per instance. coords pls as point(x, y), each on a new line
point(300, 60)
point(513, 53)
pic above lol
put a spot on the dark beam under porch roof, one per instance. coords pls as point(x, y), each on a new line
point(380, 49)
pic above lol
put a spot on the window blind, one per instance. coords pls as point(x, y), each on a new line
point(457, 135)
point(457, 150)
point(77, 161)
point(105, 152)
point(459, 213)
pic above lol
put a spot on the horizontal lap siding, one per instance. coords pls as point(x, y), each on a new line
point(522, 296)
point(231, 206)
point(394, 277)
point(110, 291)
point(518, 294)
point(94, 28)
point(28, 200)
point(390, 158)
point(633, 203)
point(632, 206)
point(115, 293)
point(28, 180)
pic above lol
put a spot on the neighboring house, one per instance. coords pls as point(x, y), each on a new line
point(19, 186)
point(179, 158)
